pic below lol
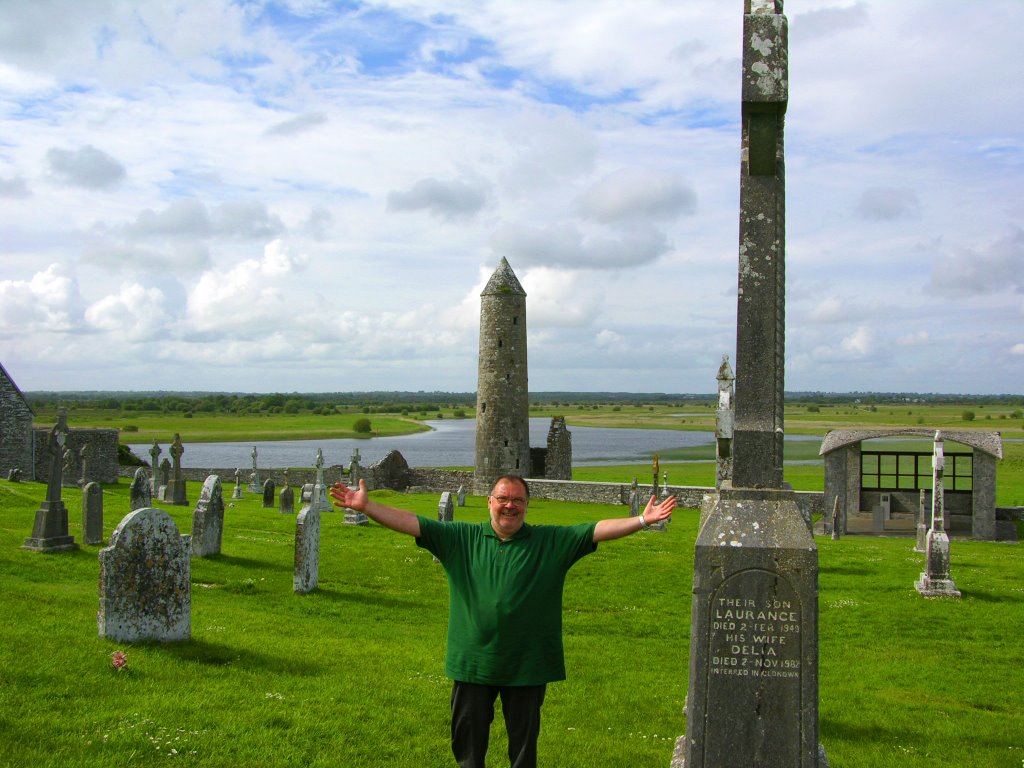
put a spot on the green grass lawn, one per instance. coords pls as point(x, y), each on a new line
point(352, 675)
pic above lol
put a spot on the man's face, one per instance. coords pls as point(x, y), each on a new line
point(507, 503)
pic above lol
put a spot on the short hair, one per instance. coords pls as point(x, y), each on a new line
point(514, 479)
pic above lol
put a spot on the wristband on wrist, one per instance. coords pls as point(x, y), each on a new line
point(643, 523)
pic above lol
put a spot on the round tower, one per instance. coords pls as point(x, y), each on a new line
point(502, 395)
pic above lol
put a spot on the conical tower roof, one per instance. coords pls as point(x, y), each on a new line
point(503, 282)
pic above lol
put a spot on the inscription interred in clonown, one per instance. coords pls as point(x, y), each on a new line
point(754, 665)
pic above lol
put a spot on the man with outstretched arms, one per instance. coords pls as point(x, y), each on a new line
point(505, 580)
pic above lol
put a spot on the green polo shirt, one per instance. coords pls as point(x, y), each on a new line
point(505, 598)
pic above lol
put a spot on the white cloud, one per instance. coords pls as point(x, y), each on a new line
point(830, 309)
point(135, 312)
point(607, 338)
point(1017, 349)
point(298, 124)
point(637, 194)
point(916, 339)
point(888, 204)
point(990, 269)
point(48, 302)
point(85, 167)
point(190, 218)
point(397, 145)
point(452, 200)
point(248, 300)
point(563, 245)
point(14, 188)
point(859, 343)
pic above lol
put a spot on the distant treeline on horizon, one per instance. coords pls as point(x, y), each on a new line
point(119, 399)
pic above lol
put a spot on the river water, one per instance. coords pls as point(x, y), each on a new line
point(449, 443)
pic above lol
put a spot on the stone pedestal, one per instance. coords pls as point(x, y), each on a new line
point(50, 530)
point(753, 691)
point(175, 493)
point(355, 518)
point(936, 581)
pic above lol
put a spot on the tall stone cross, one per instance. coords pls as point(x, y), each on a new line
point(752, 698)
point(50, 531)
point(761, 303)
point(936, 581)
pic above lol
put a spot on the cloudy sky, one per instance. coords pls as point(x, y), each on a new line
point(309, 195)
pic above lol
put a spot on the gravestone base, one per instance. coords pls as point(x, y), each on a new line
point(54, 544)
point(355, 518)
point(237, 493)
point(929, 587)
point(753, 692)
point(175, 493)
point(50, 531)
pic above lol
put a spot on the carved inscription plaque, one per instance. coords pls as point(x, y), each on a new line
point(754, 666)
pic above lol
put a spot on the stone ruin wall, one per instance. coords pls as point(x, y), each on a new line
point(16, 429)
point(102, 455)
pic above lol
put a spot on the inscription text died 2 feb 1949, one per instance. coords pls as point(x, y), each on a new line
point(755, 627)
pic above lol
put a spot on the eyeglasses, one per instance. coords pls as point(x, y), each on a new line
point(518, 501)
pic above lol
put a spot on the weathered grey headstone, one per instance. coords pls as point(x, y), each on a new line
point(753, 680)
point(208, 519)
point(445, 510)
point(287, 501)
point(634, 499)
point(306, 493)
point(446, 507)
point(269, 490)
point(154, 465)
point(922, 523)
point(145, 587)
point(139, 496)
point(14, 475)
point(836, 519)
point(176, 489)
point(254, 476)
point(460, 496)
point(237, 492)
point(83, 463)
point(724, 422)
point(354, 468)
point(92, 513)
point(352, 517)
point(165, 480)
point(307, 550)
point(50, 531)
point(936, 580)
point(68, 468)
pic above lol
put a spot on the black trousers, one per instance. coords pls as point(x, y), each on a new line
point(473, 712)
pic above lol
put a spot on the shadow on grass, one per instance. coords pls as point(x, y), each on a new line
point(248, 562)
point(359, 598)
point(845, 569)
point(988, 597)
point(220, 655)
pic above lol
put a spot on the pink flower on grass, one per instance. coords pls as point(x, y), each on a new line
point(119, 660)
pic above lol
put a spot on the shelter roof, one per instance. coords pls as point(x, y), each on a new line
point(986, 442)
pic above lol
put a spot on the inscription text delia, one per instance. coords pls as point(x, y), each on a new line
point(752, 638)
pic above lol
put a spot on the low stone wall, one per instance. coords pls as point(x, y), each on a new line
point(1010, 513)
point(441, 480)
